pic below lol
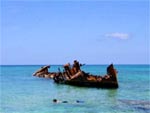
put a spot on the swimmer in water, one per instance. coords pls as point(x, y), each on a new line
point(57, 101)
point(79, 101)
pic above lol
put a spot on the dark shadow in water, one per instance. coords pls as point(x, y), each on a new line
point(138, 105)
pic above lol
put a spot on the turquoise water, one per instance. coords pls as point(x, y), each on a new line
point(23, 93)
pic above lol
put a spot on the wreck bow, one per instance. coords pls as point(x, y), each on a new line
point(43, 72)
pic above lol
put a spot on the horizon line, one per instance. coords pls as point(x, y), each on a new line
point(71, 64)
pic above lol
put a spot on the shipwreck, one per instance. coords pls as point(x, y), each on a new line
point(73, 75)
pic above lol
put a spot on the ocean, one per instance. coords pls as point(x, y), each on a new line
point(20, 92)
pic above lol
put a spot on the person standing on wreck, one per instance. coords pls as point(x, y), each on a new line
point(76, 66)
point(67, 69)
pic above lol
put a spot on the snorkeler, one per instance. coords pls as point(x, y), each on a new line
point(55, 100)
point(58, 101)
point(79, 101)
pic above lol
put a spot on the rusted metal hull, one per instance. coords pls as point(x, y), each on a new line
point(90, 81)
point(76, 77)
point(103, 84)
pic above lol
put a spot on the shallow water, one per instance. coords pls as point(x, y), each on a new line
point(23, 93)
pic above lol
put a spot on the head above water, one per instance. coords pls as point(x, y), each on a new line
point(54, 100)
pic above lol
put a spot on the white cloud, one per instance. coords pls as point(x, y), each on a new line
point(118, 35)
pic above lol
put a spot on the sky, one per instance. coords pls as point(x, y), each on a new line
point(58, 32)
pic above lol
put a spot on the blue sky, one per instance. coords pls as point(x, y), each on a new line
point(99, 32)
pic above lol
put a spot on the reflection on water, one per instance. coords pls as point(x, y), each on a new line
point(112, 93)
